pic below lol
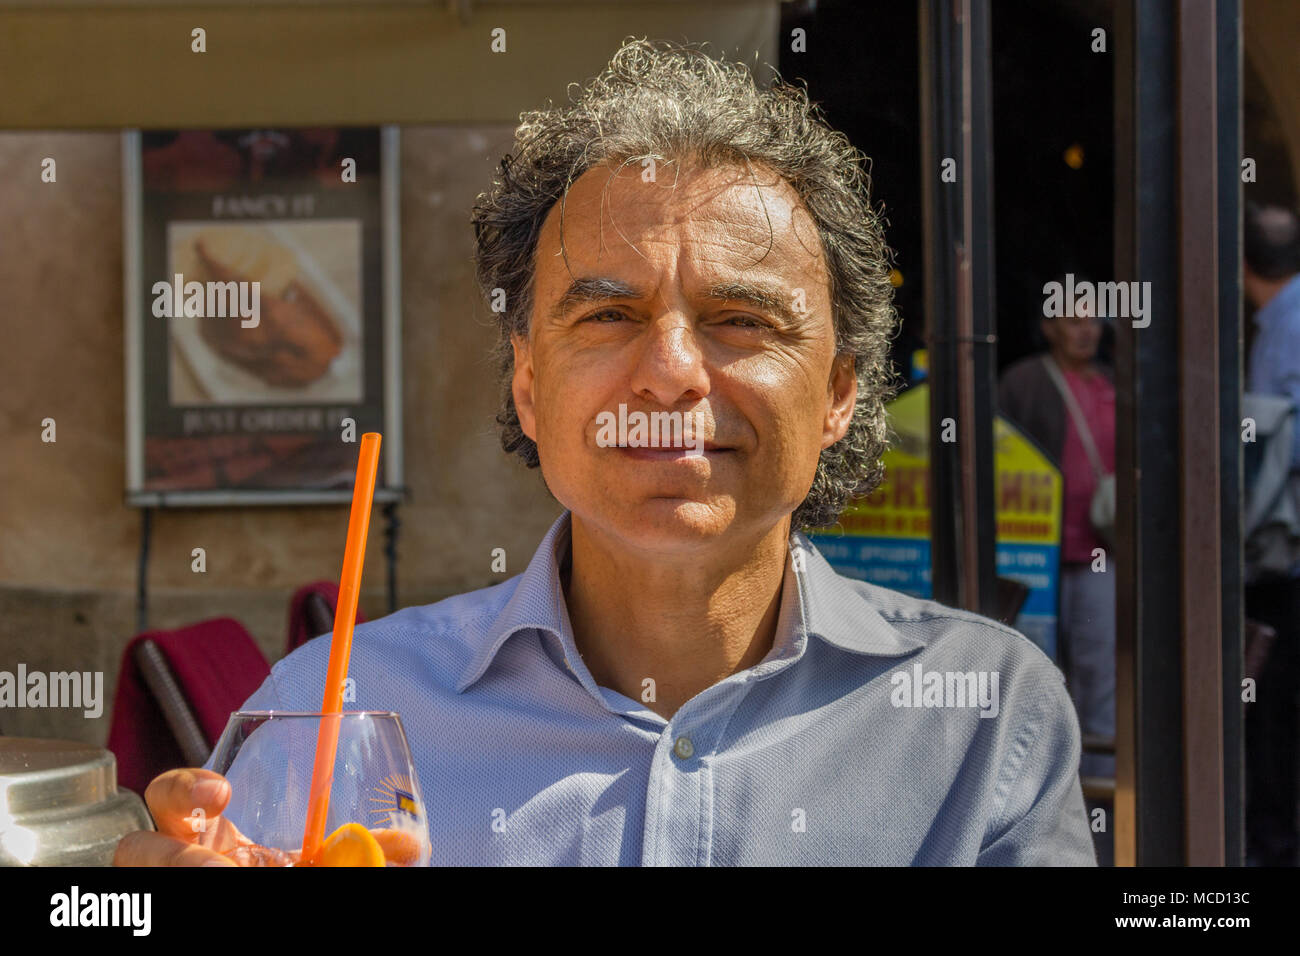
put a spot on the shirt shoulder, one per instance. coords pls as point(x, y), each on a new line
point(933, 623)
point(434, 643)
point(959, 641)
point(1023, 388)
point(1281, 316)
point(1031, 366)
point(1025, 760)
point(1023, 375)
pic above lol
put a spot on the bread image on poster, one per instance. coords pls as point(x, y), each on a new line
point(306, 343)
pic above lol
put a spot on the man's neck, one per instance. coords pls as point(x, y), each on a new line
point(1268, 290)
point(685, 625)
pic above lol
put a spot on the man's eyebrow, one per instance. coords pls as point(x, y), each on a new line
point(602, 289)
point(760, 297)
point(598, 289)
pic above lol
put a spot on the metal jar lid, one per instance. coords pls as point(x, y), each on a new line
point(59, 804)
point(41, 774)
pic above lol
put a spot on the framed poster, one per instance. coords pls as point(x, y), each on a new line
point(262, 313)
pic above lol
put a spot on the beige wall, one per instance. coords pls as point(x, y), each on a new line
point(68, 544)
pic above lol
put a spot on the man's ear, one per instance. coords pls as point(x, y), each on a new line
point(843, 393)
point(1049, 331)
point(521, 385)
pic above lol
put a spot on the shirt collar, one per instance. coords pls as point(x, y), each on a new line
point(537, 603)
point(815, 599)
point(835, 608)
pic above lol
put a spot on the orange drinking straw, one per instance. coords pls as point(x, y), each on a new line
point(345, 613)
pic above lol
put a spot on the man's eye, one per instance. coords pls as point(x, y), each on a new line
point(746, 321)
point(605, 316)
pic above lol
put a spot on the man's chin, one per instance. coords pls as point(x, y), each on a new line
point(668, 524)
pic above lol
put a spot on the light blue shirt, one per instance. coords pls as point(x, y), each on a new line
point(1275, 353)
point(839, 747)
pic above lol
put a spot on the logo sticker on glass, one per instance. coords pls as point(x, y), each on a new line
point(394, 795)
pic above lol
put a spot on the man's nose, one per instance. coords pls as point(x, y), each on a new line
point(671, 364)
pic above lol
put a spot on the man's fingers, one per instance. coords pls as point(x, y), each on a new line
point(181, 801)
point(144, 848)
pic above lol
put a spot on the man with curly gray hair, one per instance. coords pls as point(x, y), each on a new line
point(654, 107)
point(694, 305)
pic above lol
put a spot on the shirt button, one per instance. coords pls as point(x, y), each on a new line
point(684, 748)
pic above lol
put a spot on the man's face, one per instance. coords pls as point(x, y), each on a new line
point(703, 292)
point(1077, 336)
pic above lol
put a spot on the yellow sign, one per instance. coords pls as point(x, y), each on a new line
point(1028, 487)
point(884, 537)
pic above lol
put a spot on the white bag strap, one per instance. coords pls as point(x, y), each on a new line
point(1080, 423)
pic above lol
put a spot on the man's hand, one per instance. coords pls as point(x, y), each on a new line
point(187, 837)
point(186, 806)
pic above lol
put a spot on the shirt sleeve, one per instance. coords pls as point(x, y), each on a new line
point(266, 697)
point(1043, 821)
point(1289, 387)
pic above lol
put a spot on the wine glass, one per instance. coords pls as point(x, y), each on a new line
point(374, 796)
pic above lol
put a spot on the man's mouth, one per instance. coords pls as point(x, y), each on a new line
point(673, 452)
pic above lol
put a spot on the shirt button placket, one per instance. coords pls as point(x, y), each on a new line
point(673, 805)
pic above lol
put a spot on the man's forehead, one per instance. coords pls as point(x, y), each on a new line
point(745, 213)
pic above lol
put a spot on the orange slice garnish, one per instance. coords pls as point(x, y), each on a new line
point(350, 845)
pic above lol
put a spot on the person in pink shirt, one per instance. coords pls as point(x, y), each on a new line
point(1030, 397)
